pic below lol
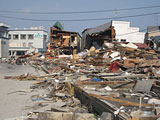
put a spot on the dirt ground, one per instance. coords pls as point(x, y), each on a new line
point(15, 96)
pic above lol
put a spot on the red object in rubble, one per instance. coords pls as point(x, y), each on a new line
point(114, 67)
point(51, 57)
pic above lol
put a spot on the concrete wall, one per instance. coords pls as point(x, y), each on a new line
point(130, 34)
point(4, 48)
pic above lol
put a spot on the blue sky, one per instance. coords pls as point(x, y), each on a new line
point(77, 5)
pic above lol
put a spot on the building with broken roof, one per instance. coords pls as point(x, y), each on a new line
point(4, 40)
point(120, 31)
point(153, 37)
point(153, 31)
point(64, 42)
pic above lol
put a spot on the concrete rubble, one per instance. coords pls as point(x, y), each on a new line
point(117, 82)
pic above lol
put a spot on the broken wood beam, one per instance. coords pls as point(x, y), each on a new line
point(66, 68)
point(97, 105)
point(123, 84)
point(126, 76)
point(128, 103)
point(105, 83)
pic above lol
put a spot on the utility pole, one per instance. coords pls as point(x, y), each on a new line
point(115, 13)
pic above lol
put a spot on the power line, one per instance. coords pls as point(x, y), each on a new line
point(81, 12)
point(76, 20)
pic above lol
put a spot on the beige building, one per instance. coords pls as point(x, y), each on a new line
point(153, 31)
point(153, 37)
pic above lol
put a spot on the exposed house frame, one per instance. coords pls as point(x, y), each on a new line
point(64, 42)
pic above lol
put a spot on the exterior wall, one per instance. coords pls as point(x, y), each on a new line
point(153, 34)
point(4, 40)
point(39, 40)
point(83, 41)
point(125, 32)
point(79, 44)
point(153, 37)
point(0, 48)
point(152, 31)
point(4, 48)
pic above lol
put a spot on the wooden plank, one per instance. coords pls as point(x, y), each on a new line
point(126, 103)
point(125, 76)
point(98, 105)
point(104, 83)
point(123, 84)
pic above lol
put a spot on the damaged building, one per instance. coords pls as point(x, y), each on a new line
point(98, 36)
point(64, 42)
point(120, 82)
point(119, 31)
point(4, 40)
point(153, 37)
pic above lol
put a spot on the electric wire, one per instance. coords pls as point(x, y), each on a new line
point(76, 20)
point(82, 12)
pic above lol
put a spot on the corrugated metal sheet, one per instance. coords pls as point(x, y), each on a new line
point(98, 29)
point(143, 86)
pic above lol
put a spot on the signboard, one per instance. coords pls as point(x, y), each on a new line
point(38, 35)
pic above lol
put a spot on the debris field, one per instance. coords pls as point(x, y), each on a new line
point(119, 82)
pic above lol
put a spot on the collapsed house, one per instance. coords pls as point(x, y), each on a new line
point(97, 86)
point(119, 31)
point(117, 83)
point(98, 36)
point(64, 42)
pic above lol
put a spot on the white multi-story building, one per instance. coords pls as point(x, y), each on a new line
point(26, 40)
point(126, 33)
point(4, 40)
